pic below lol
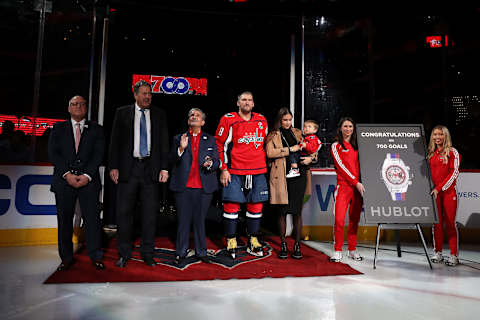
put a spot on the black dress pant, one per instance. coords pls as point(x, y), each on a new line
point(192, 206)
point(66, 198)
point(139, 188)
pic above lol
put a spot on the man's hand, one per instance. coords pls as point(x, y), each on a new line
point(434, 193)
point(208, 162)
point(82, 180)
point(163, 176)
point(114, 175)
point(183, 142)
point(72, 180)
point(225, 178)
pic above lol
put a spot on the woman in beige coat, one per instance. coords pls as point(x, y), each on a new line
point(287, 194)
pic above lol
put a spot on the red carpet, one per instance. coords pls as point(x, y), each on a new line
point(245, 266)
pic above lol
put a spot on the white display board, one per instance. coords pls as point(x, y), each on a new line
point(26, 201)
point(25, 198)
point(468, 191)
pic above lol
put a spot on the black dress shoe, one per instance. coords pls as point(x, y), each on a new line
point(65, 265)
point(283, 254)
point(149, 261)
point(204, 259)
point(179, 260)
point(98, 265)
point(122, 262)
point(296, 254)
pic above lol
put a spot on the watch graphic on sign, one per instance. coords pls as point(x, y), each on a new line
point(396, 176)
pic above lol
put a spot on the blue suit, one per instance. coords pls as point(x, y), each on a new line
point(193, 203)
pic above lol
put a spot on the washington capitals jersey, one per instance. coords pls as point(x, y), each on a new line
point(346, 163)
point(445, 171)
point(240, 143)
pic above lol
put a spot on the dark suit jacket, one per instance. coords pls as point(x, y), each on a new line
point(61, 151)
point(121, 142)
point(183, 164)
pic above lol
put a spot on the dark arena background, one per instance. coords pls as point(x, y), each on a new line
point(408, 63)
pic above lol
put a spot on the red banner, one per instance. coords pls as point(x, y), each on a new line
point(174, 85)
point(28, 124)
point(436, 41)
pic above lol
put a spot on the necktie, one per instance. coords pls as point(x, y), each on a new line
point(143, 135)
point(78, 135)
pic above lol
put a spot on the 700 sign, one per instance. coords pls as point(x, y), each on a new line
point(170, 85)
point(174, 85)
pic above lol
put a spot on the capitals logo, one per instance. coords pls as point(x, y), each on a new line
point(166, 256)
point(254, 138)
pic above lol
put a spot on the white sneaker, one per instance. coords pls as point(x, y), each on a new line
point(355, 255)
point(451, 261)
point(337, 257)
point(436, 257)
point(293, 173)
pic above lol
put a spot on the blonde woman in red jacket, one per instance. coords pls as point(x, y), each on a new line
point(444, 163)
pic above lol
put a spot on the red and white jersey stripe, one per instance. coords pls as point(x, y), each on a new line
point(346, 163)
point(445, 171)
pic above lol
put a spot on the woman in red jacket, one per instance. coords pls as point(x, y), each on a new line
point(444, 164)
point(349, 190)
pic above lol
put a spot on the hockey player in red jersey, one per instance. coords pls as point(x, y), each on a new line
point(444, 163)
point(240, 137)
point(349, 190)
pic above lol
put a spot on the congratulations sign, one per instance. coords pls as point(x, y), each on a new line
point(395, 173)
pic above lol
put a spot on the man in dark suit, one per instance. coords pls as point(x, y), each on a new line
point(138, 161)
point(195, 158)
point(76, 149)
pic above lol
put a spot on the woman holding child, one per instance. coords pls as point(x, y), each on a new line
point(288, 193)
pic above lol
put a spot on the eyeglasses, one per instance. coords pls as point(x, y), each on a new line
point(81, 104)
